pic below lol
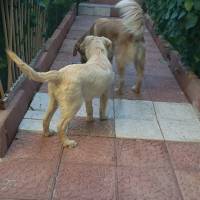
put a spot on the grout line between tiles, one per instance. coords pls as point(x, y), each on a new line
point(168, 156)
point(56, 174)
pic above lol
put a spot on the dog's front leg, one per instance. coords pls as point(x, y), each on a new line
point(89, 110)
point(103, 106)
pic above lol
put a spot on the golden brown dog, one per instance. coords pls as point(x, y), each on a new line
point(73, 84)
point(127, 37)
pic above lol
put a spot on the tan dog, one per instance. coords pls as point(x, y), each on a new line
point(73, 84)
point(127, 37)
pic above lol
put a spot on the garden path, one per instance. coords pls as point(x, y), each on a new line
point(148, 149)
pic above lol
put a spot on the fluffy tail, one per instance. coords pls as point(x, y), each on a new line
point(30, 72)
point(132, 16)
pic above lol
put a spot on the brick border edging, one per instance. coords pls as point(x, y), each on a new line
point(12, 116)
point(188, 81)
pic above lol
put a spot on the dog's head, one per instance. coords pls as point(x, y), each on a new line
point(91, 43)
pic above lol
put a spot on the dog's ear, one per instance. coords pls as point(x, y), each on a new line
point(82, 46)
point(108, 43)
point(76, 48)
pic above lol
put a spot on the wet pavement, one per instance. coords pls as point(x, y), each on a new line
point(148, 149)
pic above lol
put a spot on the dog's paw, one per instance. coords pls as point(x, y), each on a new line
point(102, 118)
point(69, 143)
point(136, 89)
point(118, 90)
point(49, 133)
point(89, 119)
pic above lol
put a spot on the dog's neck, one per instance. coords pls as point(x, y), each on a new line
point(96, 52)
point(99, 57)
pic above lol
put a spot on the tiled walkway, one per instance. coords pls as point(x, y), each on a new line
point(148, 149)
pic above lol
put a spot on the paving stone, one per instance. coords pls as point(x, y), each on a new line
point(184, 131)
point(130, 95)
point(34, 125)
point(136, 119)
point(184, 155)
point(127, 109)
point(161, 82)
point(91, 150)
point(80, 127)
point(67, 46)
point(32, 146)
point(74, 35)
point(138, 129)
point(44, 88)
point(26, 179)
point(175, 111)
point(189, 183)
point(144, 183)
point(168, 95)
point(142, 153)
point(85, 182)
point(40, 103)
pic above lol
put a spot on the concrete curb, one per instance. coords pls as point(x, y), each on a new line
point(188, 81)
point(12, 116)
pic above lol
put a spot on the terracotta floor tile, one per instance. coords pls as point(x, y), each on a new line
point(184, 155)
point(74, 34)
point(91, 150)
point(26, 179)
point(189, 183)
point(161, 82)
point(67, 46)
point(32, 146)
point(44, 88)
point(84, 182)
point(168, 95)
point(129, 94)
point(142, 153)
point(63, 57)
point(144, 183)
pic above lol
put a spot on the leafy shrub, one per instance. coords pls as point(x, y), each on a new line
point(56, 10)
point(179, 22)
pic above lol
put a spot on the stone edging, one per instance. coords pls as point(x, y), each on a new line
point(12, 116)
point(188, 81)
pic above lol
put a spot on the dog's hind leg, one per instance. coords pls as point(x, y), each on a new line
point(103, 106)
point(68, 111)
point(89, 110)
point(121, 72)
point(52, 106)
point(139, 66)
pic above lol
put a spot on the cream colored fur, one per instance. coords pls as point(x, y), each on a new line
point(127, 37)
point(69, 87)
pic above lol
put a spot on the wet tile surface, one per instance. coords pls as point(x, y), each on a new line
point(142, 153)
point(189, 183)
point(103, 154)
point(151, 184)
point(34, 146)
point(85, 182)
point(136, 119)
point(26, 179)
point(148, 166)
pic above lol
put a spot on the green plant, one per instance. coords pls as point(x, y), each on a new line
point(179, 22)
point(56, 10)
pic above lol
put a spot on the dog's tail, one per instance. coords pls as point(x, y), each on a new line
point(31, 73)
point(132, 16)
